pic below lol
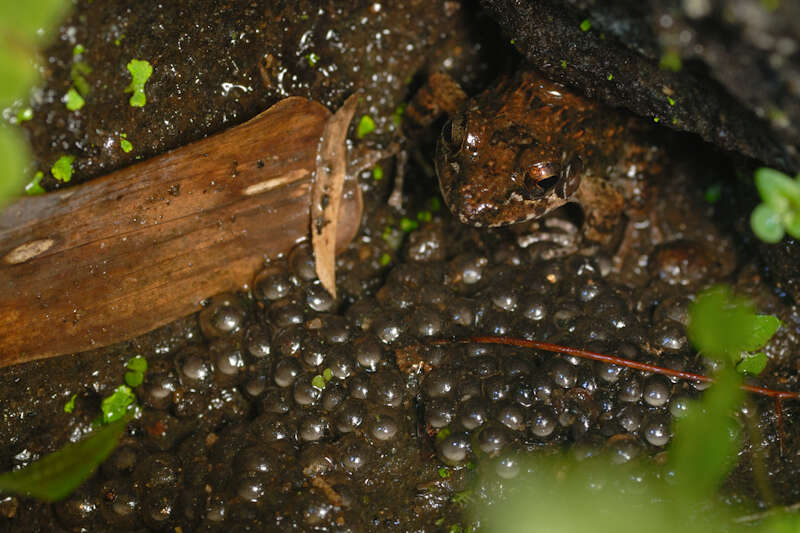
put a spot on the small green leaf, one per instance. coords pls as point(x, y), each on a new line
point(70, 405)
point(30, 19)
point(424, 216)
point(62, 169)
point(777, 189)
point(312, 59)
point(444, 473)
point(443, 434)
point(386, 259)
point(723, 325)
point(586, 24)
point(407, 224)
point(365, 126)
point(752, 364)
point(77, 73)
point(670, 60)
point(610, 77)
point(125, 144)
point(133, 378)
point(78, 49)
point(766, 224)
point(24, 115)
point(116, 405)
point(706, 440)
point(13, 157)
point(713, 193)
point(318, 382)
point(397, 115)
point(55, 476)
point(137, 363)
point(74, 101)
point(327, 374)
point(17, 73)
point(791, 223)
point(762, 328)
point(377, 173)
point(141, 71)
point(33, 188)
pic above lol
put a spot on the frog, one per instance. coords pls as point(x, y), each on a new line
point(528, 145)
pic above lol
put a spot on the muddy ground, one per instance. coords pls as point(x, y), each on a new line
point(237, 431)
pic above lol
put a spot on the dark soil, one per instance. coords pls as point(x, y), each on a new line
point(236, 433)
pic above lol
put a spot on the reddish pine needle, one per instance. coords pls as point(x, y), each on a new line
point(620, 361)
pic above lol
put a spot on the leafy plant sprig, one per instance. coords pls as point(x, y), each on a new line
point(779, 212)
point(727, 327)
point(55, 476)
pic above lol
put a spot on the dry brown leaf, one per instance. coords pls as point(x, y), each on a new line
point(326, 192)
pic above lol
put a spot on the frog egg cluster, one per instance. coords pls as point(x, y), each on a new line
point(298, 405)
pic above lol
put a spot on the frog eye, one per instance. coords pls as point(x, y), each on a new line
point(541, 179)
point(453, 132)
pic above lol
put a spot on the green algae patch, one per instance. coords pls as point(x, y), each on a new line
point(141, 71)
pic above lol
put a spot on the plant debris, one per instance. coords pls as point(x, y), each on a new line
point(326, 192)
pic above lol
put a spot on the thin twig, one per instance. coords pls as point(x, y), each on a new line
point(620, 361)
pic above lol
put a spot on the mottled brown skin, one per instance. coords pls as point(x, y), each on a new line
point(528, 146)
